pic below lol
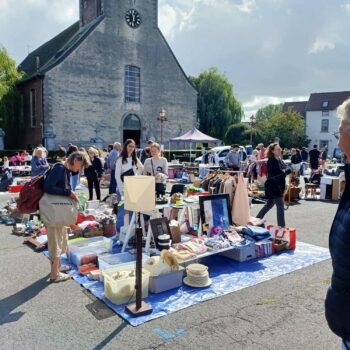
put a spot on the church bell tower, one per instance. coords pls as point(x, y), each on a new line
point(89, 10)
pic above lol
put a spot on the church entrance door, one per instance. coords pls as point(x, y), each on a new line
point(132, 128)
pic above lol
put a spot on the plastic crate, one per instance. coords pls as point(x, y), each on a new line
point(108, 261)
point(87, 250)
point(242, 253)
point(122, 291)
point(162, 283)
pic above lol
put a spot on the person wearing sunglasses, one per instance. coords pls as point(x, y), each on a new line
point(337, 304)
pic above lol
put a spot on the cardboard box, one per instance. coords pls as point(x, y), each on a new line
point(93, 232)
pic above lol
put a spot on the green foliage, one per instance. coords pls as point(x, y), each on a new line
point(9, 96)
point(289, 127)
point(266, 112)
point(217, 105)
point(237, 133)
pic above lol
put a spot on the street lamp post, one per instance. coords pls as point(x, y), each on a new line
point(252, 125)
point(162, 119)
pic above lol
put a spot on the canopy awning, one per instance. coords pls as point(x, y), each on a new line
point(194, 135)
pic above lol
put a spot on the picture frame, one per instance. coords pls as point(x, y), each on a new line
point(160, 226)
point(215, 212)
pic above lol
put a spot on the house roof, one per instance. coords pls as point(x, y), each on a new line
point(298, 107)
point(55, 50)
point(326, 100)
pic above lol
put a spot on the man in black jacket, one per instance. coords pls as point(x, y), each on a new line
point(314, 156)
point(338, 296)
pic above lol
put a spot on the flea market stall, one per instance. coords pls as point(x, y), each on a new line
point(188, 247)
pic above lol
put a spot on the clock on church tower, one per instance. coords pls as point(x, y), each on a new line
point(133, 18)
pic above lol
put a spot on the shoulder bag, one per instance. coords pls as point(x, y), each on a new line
point(58, 210)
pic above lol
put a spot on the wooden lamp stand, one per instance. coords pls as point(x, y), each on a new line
point(139, 308)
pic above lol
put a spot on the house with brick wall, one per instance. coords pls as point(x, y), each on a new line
point(105, 79)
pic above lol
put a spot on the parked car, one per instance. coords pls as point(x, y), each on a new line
point(222, 152)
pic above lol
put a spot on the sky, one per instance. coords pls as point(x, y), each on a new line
point(272, 51)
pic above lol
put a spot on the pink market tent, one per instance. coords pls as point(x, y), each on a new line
point(194, 135)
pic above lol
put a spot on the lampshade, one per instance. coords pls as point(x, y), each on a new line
point(139, 193)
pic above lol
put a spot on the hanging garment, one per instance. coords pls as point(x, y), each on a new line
point(240, 208)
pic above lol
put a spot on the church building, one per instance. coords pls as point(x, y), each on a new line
point(104, 79)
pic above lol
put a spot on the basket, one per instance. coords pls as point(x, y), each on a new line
point(109, 230)
point(279, 245)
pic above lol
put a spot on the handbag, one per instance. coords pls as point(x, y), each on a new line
point(58, 210)
point(129, 172)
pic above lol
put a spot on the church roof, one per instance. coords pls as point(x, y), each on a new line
point(55, 50)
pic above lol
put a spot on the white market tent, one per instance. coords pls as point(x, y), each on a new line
point(194, 135)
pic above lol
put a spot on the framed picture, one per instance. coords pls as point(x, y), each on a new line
point(160, 227)
point(215, 212)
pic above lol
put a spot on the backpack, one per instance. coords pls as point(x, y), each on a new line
point(31, 193)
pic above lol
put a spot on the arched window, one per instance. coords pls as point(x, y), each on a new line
point(132, 84)
point(132, 122)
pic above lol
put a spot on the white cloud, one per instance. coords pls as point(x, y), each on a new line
point(182, 15)
point(168, 20)
point(246, 6)
point(321, 44)
point(347, 7)
point(252, 106)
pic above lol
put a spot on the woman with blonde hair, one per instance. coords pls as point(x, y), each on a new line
point(338, 296)
point(39, 163)
point(157, 166)
point(94, 173)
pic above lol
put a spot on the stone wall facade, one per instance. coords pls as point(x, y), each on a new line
point(84, 94)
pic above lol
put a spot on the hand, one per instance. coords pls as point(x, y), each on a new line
point(74, 196)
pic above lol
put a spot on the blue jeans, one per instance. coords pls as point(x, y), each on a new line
point(74, 181)
point(113, 183)
point(121, 212)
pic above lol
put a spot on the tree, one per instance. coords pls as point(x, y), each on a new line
point(9, 96)
point(217, 106)
point(289, 127)
point(237, 133)
point(267, 111)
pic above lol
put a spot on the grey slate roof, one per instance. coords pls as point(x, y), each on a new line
point(334, 99)
point(55, 50)
point(298, 107)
